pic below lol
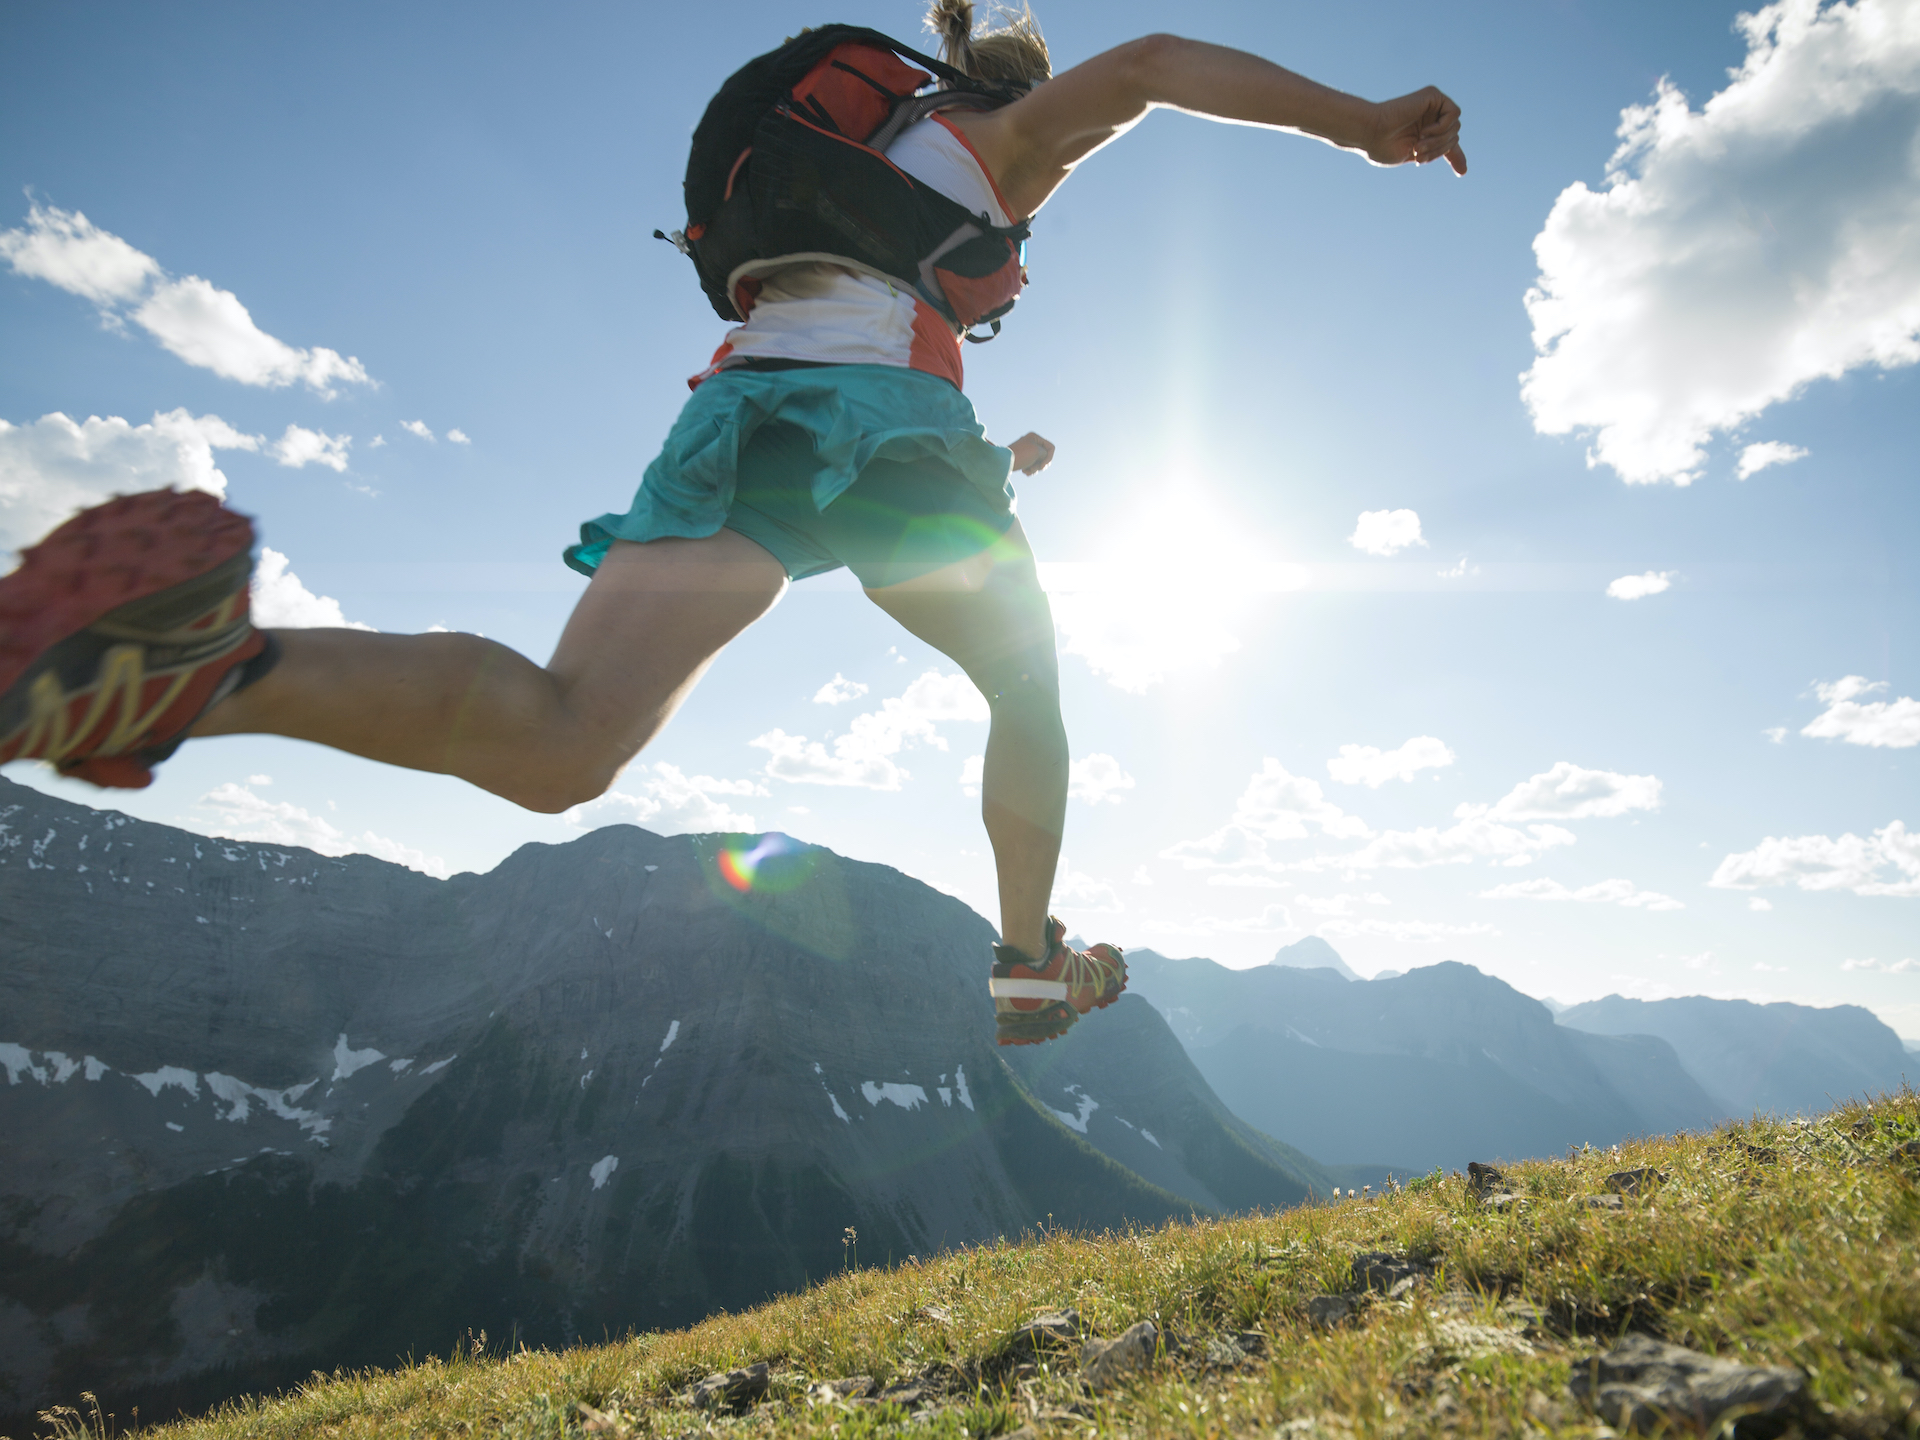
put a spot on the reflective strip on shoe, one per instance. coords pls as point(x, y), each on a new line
point(1009, 988)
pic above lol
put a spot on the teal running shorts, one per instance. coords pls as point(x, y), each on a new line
point(881, 469)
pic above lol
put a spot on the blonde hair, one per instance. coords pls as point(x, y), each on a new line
point(1013, 52)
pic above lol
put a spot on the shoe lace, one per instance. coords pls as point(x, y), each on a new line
point(1086, 970)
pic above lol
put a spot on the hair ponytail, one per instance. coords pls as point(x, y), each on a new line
point(1011, 53)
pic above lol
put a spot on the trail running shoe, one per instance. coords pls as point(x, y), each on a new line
point(1038, 1001)
point(121, 629)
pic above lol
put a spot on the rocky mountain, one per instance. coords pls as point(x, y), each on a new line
point(266, 1111)
point(1782, 1059)
point(1434, 1067)
point(1312, 953)
point(1128, 1086)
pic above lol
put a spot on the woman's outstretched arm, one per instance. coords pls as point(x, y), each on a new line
point(1032, 145)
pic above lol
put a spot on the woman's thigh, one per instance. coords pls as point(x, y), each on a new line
point(986, 613)
point(653, 619)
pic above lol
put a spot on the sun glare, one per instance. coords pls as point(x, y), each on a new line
point(1168, 592)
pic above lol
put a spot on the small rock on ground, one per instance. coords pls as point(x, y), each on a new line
point(1386, 1271)
point(735, 1388)
point(852, 1387)
point(1484, 1180)
point(1329, 1309)
point(1105, 1363)
point(1634, 1182)
point(1605, 1202)
point(1645, 1384)
point(1048, 1330)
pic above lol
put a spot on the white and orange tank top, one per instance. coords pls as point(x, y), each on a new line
point(826, 314)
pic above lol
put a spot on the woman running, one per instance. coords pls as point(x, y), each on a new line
point(829, 430)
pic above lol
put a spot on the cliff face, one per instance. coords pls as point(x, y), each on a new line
point(266, 1110)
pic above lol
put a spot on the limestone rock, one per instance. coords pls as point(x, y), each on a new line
point(1049, 1330)
point(732, 1389)
point(1484, 1182)
point(850, 1387)
point(1106, 1363)
point(1646, 1384)
point(1329, 1309)
point(1393, 1274)
point(1640, 1181)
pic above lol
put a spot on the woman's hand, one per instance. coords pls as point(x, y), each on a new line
point(1031, 453)
point(1418, 128)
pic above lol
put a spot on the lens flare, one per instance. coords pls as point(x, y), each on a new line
point(775, 865)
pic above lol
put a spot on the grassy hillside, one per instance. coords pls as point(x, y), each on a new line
point(1791, 1243)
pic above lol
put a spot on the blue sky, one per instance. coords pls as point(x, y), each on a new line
point(1287, 719)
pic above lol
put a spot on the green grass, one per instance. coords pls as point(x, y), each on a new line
point(1807, 1257)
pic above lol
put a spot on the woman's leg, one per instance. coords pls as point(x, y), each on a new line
point(649, 625)
point(989, 615)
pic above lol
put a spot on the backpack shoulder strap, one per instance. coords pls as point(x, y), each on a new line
point(913, 111)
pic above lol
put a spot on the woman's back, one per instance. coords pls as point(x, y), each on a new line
point(828, 314)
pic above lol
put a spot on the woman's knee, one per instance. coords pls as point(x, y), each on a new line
point(557, 784)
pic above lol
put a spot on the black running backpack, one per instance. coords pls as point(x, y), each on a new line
point(787, 166)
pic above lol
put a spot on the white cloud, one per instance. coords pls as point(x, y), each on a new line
point(838, 691)
point(863, 756)
point(1279, 806)
point(1246, 880)
point(417, 427)
point(378, 442)
point(1898, 967)
point(236, 813)
point(1602, 892)
point(1766, 454)
point(67, 250)
point(1276, 805)
point(1567, 792)
point(1140, 876)
point(210, 328)
point(201, 324)
point(1738, 252)
point(1474, 837)
point(1364, 765)
point(300, 447)
point(280, 602)
point(1273, 919)
point(1076, 890)
point(1342, 904)
point(669, 802)
point(1638, 587)
point(1776, 733)
point(458, 437)
point(1458, 570)
point(1098, 777)
point(973, 771)
point(1892, 724)
point(53, 467)
point(1885, 863)
point(1418, 932)
point(1386, 532)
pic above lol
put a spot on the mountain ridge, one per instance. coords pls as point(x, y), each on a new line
point(270, 1110)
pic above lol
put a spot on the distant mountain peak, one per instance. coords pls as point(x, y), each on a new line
point(1313, 953)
